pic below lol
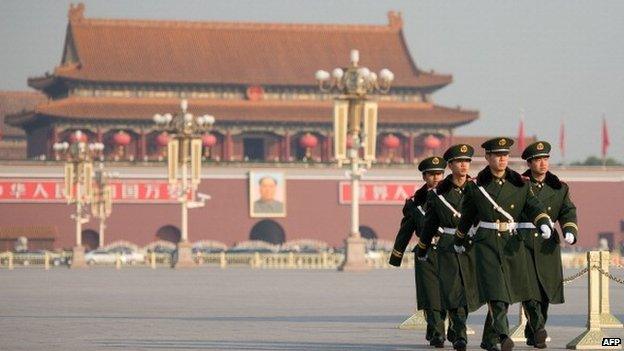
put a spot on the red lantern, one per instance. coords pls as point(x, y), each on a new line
point(209, 140)
point(162, 139)
point(308, 141)
point(122, 138)
point(77, 137)
point(431, 142)
point(391, 141)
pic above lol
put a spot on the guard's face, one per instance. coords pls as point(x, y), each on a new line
point(267, 189)
point(460, 167)
point(498, 160)
point(539, 165)
point(432, 178)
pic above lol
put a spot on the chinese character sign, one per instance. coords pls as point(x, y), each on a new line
point(52, 190)
point(378, 193)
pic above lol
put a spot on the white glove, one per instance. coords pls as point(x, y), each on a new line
point(569, 238)
point(422, 258)
point(546, 232)
point(459, 249)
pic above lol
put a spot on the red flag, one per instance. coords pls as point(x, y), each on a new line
point(605, 138)
point(562, 139)
point(521, 144)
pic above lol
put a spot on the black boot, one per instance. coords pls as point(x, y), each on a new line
point(506, 343)
point(459, 344)
point(489, 347)
point(540, 339)
point(437, 342)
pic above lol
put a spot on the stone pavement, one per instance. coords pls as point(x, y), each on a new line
point(234, 309)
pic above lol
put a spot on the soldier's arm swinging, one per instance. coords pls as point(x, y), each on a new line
point(430, 226)
point(567, 217)
point(533, 208)
point(408, 225)
point(468, 215)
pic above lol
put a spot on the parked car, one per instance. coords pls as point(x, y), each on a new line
point(27, 257)
point(128, 255)
point(249, 250)
point(102, 257)
point(207, 250)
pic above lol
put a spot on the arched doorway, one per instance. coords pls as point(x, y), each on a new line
point(367, 232)
point(169, 233)
point(269, 231)
point(90, 239)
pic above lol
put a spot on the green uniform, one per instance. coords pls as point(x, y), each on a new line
point(545, 269)
point(502, 277)
point(426, 276)
point(456, 272)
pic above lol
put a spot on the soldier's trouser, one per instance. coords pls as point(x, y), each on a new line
point(537, 314)
point(435, 323)
point(457, 324)
point(496, 323)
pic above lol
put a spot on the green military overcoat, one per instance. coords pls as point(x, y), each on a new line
point(501, 259)
point(427, 286)
point(456, 271)
point(545, 268)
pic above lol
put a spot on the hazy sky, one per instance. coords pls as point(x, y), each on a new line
point(556, 60)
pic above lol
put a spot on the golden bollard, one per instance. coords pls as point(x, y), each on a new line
point(291, 260)
point(592, 337)
point(118, 261)
point(46, 260)
point(256, 260)
point(10, 260)
point(324, 260)
point(153, 260)
point(222, 261)
point(607, 320)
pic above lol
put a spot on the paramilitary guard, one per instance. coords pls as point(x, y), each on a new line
point(427, 286)
point(545, 270)
point(496, 201)
point(456, 271)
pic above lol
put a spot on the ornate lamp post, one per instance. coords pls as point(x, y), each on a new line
point(102, 202)
point(184, 153)
point(355, 118)
point(78, 183)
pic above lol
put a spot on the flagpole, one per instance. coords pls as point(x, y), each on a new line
point(605, 141)
point(562, 142)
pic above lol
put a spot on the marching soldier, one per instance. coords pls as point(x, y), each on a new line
point(427, 286)
point(457, 275)
point(544, 264)
point(496, 201)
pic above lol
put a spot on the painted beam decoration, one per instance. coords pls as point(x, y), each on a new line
point(52, 190)
point(378, 193)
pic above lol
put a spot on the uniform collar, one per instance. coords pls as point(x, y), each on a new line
point(550, 179)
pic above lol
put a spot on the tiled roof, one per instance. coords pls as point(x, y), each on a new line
point(297, 111)
point(186, 52)
point(13, 102)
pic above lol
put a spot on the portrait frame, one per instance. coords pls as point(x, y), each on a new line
point(263, 209)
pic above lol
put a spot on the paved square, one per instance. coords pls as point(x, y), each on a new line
point(234, 309)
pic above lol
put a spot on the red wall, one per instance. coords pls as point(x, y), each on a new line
point(312, 207)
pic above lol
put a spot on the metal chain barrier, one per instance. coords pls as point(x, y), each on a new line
point(609, 275)
point(574, 277)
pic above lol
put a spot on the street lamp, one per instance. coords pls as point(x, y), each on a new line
point(184, 152)
point(102, 201)
point(355, 123)
point(78, 183)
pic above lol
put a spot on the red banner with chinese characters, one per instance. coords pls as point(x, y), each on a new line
point(52, 190)
point(379, 193)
